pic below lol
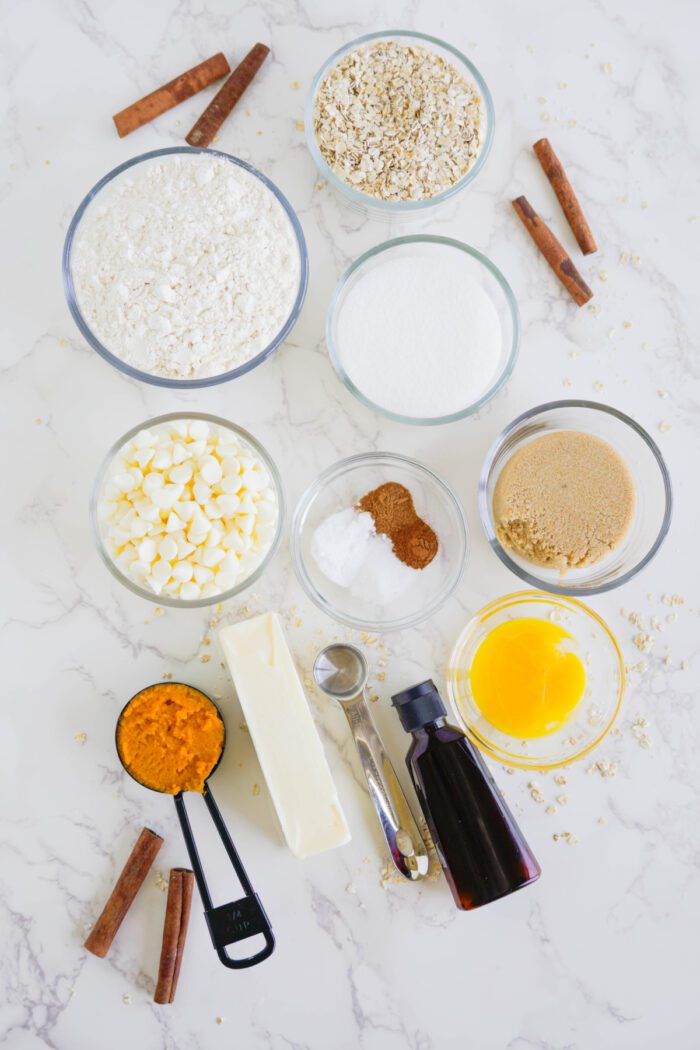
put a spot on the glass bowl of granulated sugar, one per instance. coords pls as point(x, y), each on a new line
point(423, 329)
point(185, 267)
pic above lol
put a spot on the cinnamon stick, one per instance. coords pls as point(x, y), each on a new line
point(171, 94)
point(553, 252)
point(553, 169)
point(127, 886)
point(226, 97)
point(177, 916)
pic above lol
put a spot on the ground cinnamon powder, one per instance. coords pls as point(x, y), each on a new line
point(394, 515)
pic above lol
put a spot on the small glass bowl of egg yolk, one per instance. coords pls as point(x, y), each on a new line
point(536, 679)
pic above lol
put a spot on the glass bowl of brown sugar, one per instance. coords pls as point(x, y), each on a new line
point(379, 541)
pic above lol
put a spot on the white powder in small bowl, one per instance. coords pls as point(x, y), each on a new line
point(186, 266)
point(419, 335)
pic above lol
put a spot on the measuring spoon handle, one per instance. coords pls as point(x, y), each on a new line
point(401, 832)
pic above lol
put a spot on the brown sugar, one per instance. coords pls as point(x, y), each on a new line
point(394, 515)
point(564, 500)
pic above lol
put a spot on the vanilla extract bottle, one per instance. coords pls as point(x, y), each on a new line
point(481, 849)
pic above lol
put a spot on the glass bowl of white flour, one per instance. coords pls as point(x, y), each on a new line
point(423, 329)
point(185, 267)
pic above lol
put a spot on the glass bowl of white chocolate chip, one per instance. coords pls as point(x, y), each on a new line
point(187, 509)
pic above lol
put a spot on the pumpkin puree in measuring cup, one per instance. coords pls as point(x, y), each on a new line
point(170, 736)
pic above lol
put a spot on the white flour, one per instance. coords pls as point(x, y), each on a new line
point(418, 335)
point(186, 266)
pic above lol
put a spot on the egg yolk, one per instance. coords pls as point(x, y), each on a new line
point(525, 679)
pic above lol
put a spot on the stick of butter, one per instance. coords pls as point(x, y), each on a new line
point(284, 734)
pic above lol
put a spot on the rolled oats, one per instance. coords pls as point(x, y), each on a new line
point(397, 122)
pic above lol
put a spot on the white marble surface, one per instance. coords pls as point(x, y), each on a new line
point(603, 951)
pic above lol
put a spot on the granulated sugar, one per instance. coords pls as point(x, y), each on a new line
point(186, 266)
point(419, 335)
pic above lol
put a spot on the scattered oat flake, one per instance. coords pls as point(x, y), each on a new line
point(661, 392)
point(80, 738)
point(562, 799)
point(626, 324)
point(126, 999)
point(607, 67)
point(603, 276)
point(161, 881)
point(568, 382)
point(684, 665)
point(550, 811)
point(351, 888)
point(562, 84)
point(205, 658)
point(560, 779)
point(598, 385)
point(219, 1020)
point(624, 257)
point(664, 426)
point(606, 769)
point(167, 676)
point(571, 122)
point(672, 599)
point(542, 99)
point(644, 642)
point(158, 611)
point(295, 85)
point(256, 789)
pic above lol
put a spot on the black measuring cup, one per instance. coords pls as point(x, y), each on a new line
point(240, 919)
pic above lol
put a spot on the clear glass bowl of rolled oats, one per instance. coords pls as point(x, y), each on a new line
point(398, 122)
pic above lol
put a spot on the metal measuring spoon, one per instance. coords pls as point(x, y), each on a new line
point(340, 671)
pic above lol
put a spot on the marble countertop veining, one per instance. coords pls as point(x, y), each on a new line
point(603, 951)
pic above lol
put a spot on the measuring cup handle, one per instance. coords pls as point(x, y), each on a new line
point(238, 920)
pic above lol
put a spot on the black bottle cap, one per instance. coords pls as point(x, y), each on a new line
point(419, 705)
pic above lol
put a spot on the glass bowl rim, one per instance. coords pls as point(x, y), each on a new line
point(479, 257)
point(517, 598)
point(337, 469)
point(164, 381)
point(166, 599)
point(365, 199)
point(485, 509)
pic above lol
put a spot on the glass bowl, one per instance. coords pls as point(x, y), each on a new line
point(597, 710)
point(340, 487)
point(651, 480)
point(147, 377)
point(373, 205)
point(164, 599)
point(484, 272)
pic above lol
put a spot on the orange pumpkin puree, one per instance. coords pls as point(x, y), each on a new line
point(170, 737)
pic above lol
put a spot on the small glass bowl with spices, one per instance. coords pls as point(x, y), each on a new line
point(398, 122)
point(379, 541)
point(575, 497)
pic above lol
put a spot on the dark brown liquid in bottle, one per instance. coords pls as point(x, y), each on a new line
point(481, 848)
